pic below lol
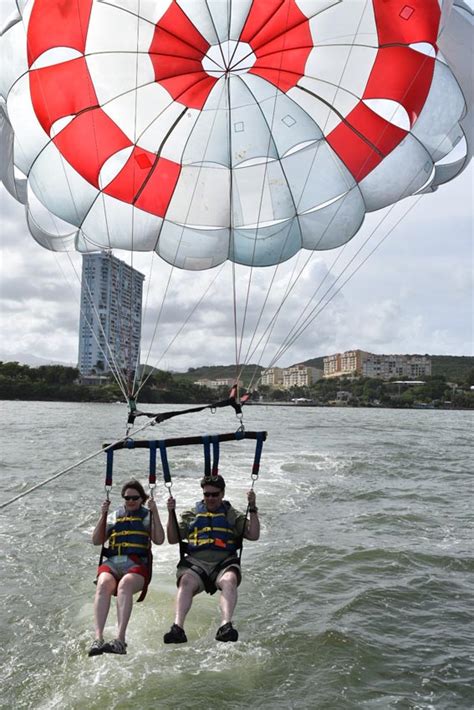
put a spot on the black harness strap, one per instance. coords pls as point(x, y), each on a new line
point(231, 401)
point(185, 441)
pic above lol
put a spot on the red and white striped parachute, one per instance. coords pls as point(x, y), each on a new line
point(209, 130)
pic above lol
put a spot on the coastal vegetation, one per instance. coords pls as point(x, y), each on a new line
point(60, 383)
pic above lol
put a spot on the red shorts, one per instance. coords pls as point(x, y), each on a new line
point(120, 566)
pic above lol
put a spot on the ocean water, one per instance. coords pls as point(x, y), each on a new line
point(357, 595)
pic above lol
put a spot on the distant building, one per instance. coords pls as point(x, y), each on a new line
point(358, 363)
point(300, 376)
point(218, 382)
point(206, 383)
point(273, 377)
point(111, 315)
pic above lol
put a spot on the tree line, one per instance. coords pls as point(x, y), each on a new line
point(61, 383)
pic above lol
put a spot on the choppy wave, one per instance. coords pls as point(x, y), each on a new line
point(358, 595)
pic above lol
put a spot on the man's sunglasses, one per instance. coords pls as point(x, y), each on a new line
point(211, 494)
point(131, 497)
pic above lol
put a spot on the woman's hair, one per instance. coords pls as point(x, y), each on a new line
point(137, 486)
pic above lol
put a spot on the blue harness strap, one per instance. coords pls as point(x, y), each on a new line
point(152, 470)
point(211, 462)
point(258, 452)
point(164, 461)
point(215, 455)
point(206, 442)
point(109, 468)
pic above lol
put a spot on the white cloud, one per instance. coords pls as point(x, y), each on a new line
point(414, 293)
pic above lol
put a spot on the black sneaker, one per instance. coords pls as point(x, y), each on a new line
point(175, 635)
point(227, 633)
point(116, 646)
point(97, 648)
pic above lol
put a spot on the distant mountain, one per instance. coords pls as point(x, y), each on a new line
point(32, 360)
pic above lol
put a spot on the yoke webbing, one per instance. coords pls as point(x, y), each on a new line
point(231, 401)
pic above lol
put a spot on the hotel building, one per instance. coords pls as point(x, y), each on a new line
point(111, 315)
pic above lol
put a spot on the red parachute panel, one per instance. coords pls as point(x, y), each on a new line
point(61, 90)
point(57, 24)
point(88, 141)
point(407, 21)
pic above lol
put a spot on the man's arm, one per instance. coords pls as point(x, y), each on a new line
point(252, 527)
point(172, 530)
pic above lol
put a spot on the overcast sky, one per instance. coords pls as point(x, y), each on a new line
point(413, 294)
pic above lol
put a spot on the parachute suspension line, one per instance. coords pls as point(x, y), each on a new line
point(205, 148)
point(236, 336)
point(272, 322)
point(111, 362)
point(291, 340)
point(231, 253)
point(182, 326)
point(315, 312)
point(260, 207)
point(135, 387)
point(292, 283)
point(131, 369)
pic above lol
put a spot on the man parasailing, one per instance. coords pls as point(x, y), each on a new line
point(213, 532)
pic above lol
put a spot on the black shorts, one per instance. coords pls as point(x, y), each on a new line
point(207, 572)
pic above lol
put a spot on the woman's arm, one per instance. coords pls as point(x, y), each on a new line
point(99, 535)
point(157, 532)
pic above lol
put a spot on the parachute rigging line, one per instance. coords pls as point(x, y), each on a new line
point(278, 193)
point(238, 352)
point(278, 310)
point(313, 314)
point(178, 245)
point(191, 312)
point(232, 401)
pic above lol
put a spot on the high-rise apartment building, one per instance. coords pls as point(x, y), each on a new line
point(111, 315)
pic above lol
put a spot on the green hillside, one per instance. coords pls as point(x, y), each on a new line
point(217, 372)
point(316, 362)
point(456, 368)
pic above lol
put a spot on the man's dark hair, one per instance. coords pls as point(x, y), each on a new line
point(216, 481)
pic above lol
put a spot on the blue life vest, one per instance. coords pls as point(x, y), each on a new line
point(129, 535)
point(212, 531)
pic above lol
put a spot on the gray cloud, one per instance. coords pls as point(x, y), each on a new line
point(414, 294)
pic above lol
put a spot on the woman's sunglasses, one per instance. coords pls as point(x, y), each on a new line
point(131, 497)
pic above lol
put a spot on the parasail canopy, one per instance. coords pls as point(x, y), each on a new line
point(208, 130)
